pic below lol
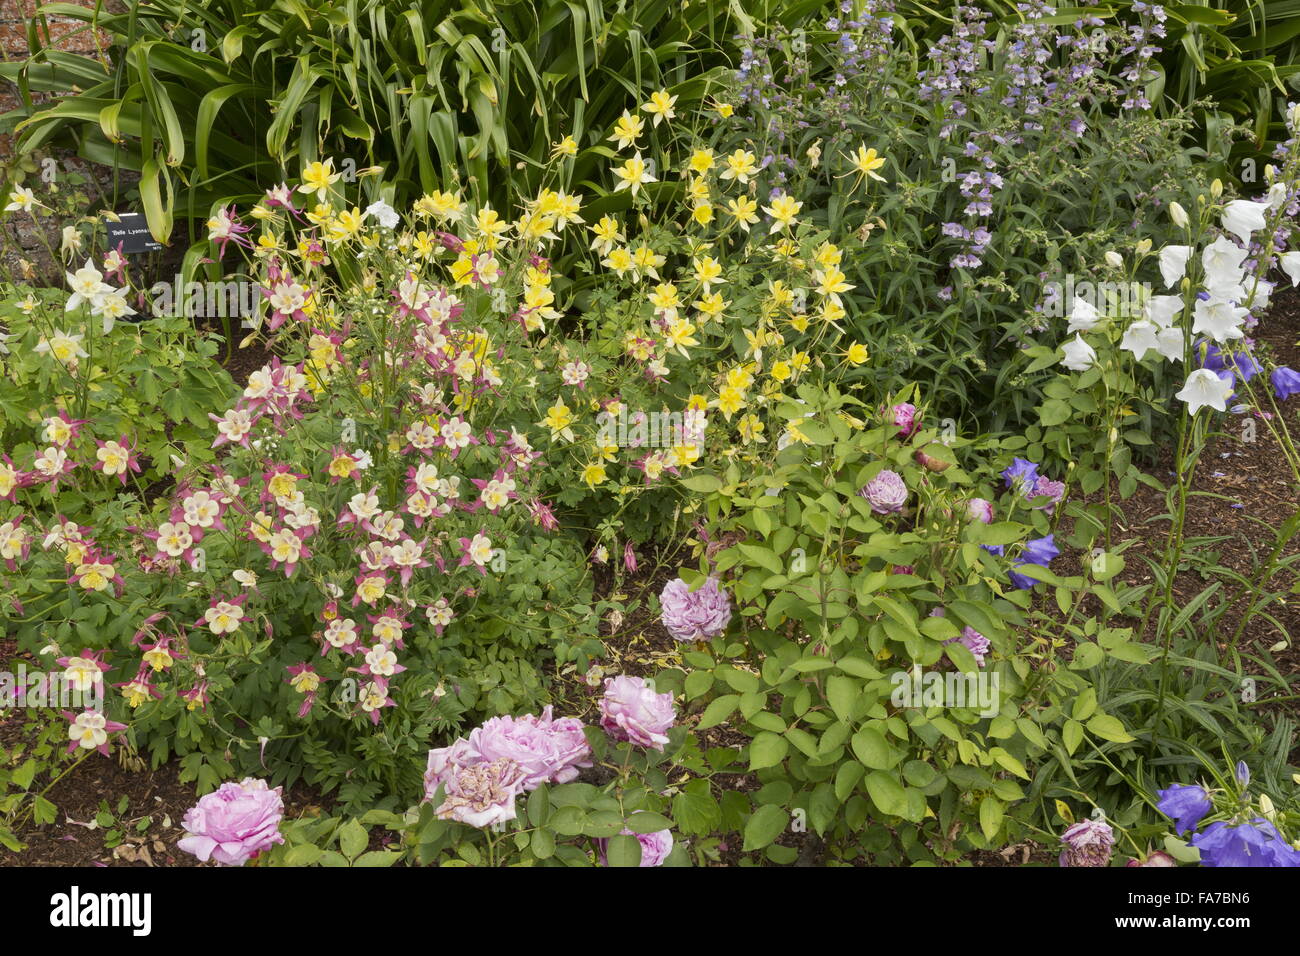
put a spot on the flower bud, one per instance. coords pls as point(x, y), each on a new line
point(1216, 188)
point(1114, 259)
point(1178, 214)
point(930, 463)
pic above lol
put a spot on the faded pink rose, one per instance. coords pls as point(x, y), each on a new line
point(482, 794)
point(886, 493)
point(697, 615)
point(234, 823)
point(632, 711)
point(904, 417)
point(548, 750)
point(981, 510)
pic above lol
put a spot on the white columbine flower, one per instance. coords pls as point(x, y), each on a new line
point(1173, 263)
point(1204, 388)
point(1241, 217)
point(21, 200)
point(1079, 355)
point(385, 214)
point(87, 285)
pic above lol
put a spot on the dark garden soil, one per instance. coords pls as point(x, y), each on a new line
point(1243, 493)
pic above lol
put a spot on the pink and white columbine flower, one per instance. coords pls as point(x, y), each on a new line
point(15, 543)
point(60, 430)
point(223, 617)
point(89, 730)
point(341, 633)
point(224, 227)
point(116, 458)
point(476, 551)
point(373, 698)
point(233, 427)
point(440, 615)
point(83, 672)
point(304, 679)
point(52, 465)
point(371, 588)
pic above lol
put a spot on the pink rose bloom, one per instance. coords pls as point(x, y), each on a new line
point(886, 493)
point(446, 762)
point(655, 847)
point(694, 615)
point(235, 823)
point(981, 510)
point(1046, 487)
point(483, 794)
point(905, 418)
point(632, 711)
point(548, 750)
point(1087, 843)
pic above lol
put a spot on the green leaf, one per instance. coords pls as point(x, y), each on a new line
point(623, 850)
point(842, 693)
point(647, 822)
point(766, 824)
point(378, 858)
point(870, 747)
point(719, 709)
point(1109, 728)
point(767, 750)
point(353, 839)
point(990, 816)
point(887, 793)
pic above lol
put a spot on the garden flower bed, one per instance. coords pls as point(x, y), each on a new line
point(866, 452)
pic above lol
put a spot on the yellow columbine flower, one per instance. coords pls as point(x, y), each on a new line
point(827, 255)
point(783, 209)
point(665, 298)
point(730, 400)
point(443, 206)
point(723, 109)
point(567, 147)
point(558, 419)
point(346, 223)
point(865, 163)
point(856, 353)
point(702, 214)
point(627, 130)
point(711, 305)
point(741, 164)
point(831, 282)
point(661, 106)
point(620, 260)
point(608, 235)
point(707, 272)
point(633, 174)
point(701, 161)
point(317, 179)
point(780, 370)
point(593, 474)
point(745, 211)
